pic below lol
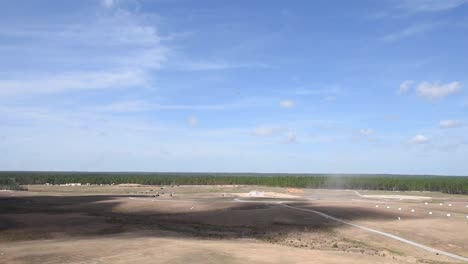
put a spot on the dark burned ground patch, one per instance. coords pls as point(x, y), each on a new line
point(252, 207)
point(352, 213)
point(47, 217)
point(29, 218)
point(7, 223)
point(56, 204)
point(33, 226)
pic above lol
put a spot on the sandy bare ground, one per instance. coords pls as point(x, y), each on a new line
point(388, 235)
point(142, 248)
point(201, 224)
point(392, 196)
point(261, 194)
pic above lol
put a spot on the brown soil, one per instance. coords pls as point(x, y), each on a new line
point(111, 224)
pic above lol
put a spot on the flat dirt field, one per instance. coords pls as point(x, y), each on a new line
point(230, 224)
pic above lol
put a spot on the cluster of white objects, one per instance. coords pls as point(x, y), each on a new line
point(426, 203)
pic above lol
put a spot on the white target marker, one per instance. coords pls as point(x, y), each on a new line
point(467, 217)
point(377, 206)
point(448, 215)
point(450, 204)
point(412, 210)
point(425, 203)
point(388, 207)
point(441, 204)
point(399, 209)
point(430, 213)
point(399, 218)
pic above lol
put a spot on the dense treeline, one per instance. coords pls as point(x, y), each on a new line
point(9, 183)
point(447, 184)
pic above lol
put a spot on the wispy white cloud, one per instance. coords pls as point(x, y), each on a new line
point(291, 137)
point(225, 106)
point(405, 8)
point(193, 121)
point(108, 3)
point(405, 86)
point(330, 91)
point(268, 131)
point(434, 90)
point(126, 49)
point(124, 106)
point(114, 50)
point(450, 123)
point(278, 133)
point(38, 115)
point(147, 105)
point(286, 104)
point(207, 65)
point(329, 98)
point(366, 132)
point(418, 6)
point(76, 119)
point(73, 81)
point(410, 31)
point(437, 90)
point(419, 139)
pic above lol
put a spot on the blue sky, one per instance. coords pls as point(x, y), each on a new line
point(234, 86)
